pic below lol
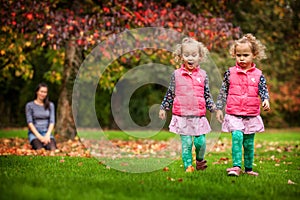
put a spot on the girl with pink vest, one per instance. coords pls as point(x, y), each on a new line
point(242, 86)
point(189, 95)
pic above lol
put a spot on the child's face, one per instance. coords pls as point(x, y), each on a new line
point(190, 55)
point(244, 56)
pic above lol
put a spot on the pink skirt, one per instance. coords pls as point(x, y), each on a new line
point(248, 125)
point(193, 126)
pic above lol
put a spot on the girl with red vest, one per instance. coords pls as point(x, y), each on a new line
point(189, 96)
point(242, 86)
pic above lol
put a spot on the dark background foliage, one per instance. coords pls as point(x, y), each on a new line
point(34, 35)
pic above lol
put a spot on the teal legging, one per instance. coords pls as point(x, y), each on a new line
point(187, 144)
point(240, 140)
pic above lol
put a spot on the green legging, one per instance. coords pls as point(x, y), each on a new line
point(187, 144)
point(240, 140)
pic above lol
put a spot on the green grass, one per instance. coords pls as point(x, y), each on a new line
point(37, 177)
point(10, 133)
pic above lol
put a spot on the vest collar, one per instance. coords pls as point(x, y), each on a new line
point(239, 69)
point(184, 71)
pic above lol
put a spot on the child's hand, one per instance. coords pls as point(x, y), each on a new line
point(162, 114)
point(266, 105)
point(219, 116)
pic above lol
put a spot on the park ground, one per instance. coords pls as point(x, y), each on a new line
point(72, 172)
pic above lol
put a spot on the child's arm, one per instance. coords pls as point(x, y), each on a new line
point(264, 93)
point(168, 99)
point(222, 97)
point(210, 104)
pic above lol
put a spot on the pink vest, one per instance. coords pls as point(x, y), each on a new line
point(243, 98)
point(189, 93)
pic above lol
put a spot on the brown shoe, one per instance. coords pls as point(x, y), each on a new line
point(201, 165)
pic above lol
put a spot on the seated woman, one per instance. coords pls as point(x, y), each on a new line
point(40, 117)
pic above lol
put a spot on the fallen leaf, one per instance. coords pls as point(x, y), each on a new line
point(20, 147)
point(222, 158)
point(291, 182)
point(124, 164)
point(166, 169)
point(272, 157)
point(170, 179)
point(278, 150)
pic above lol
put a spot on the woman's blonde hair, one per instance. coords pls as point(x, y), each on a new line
point(203, 51)
point(257, 48)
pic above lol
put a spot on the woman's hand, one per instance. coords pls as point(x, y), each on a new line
point(42, 139)
point(266, 105)
point(162, 114)
point(220, 116)
point(47, 139)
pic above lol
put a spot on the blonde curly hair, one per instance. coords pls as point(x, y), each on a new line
point(257, 48)
point(203, 51)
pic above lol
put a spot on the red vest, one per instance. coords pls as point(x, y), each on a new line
point(189, 93)
point(243, 97)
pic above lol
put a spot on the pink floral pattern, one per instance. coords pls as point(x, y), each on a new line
point(248, 125)
point(189, 125)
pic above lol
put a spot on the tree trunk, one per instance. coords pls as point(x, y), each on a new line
point(65, 125)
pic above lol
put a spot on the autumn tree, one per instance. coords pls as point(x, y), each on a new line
point(74, 27)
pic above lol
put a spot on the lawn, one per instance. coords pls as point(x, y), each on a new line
point(66, 177)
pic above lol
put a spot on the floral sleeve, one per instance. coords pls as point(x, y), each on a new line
point(222, 98)
point(262, 88)
point(210, 104)
point(170, 95)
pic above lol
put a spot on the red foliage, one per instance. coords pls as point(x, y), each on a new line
point(29, 16)
point(58, 21)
